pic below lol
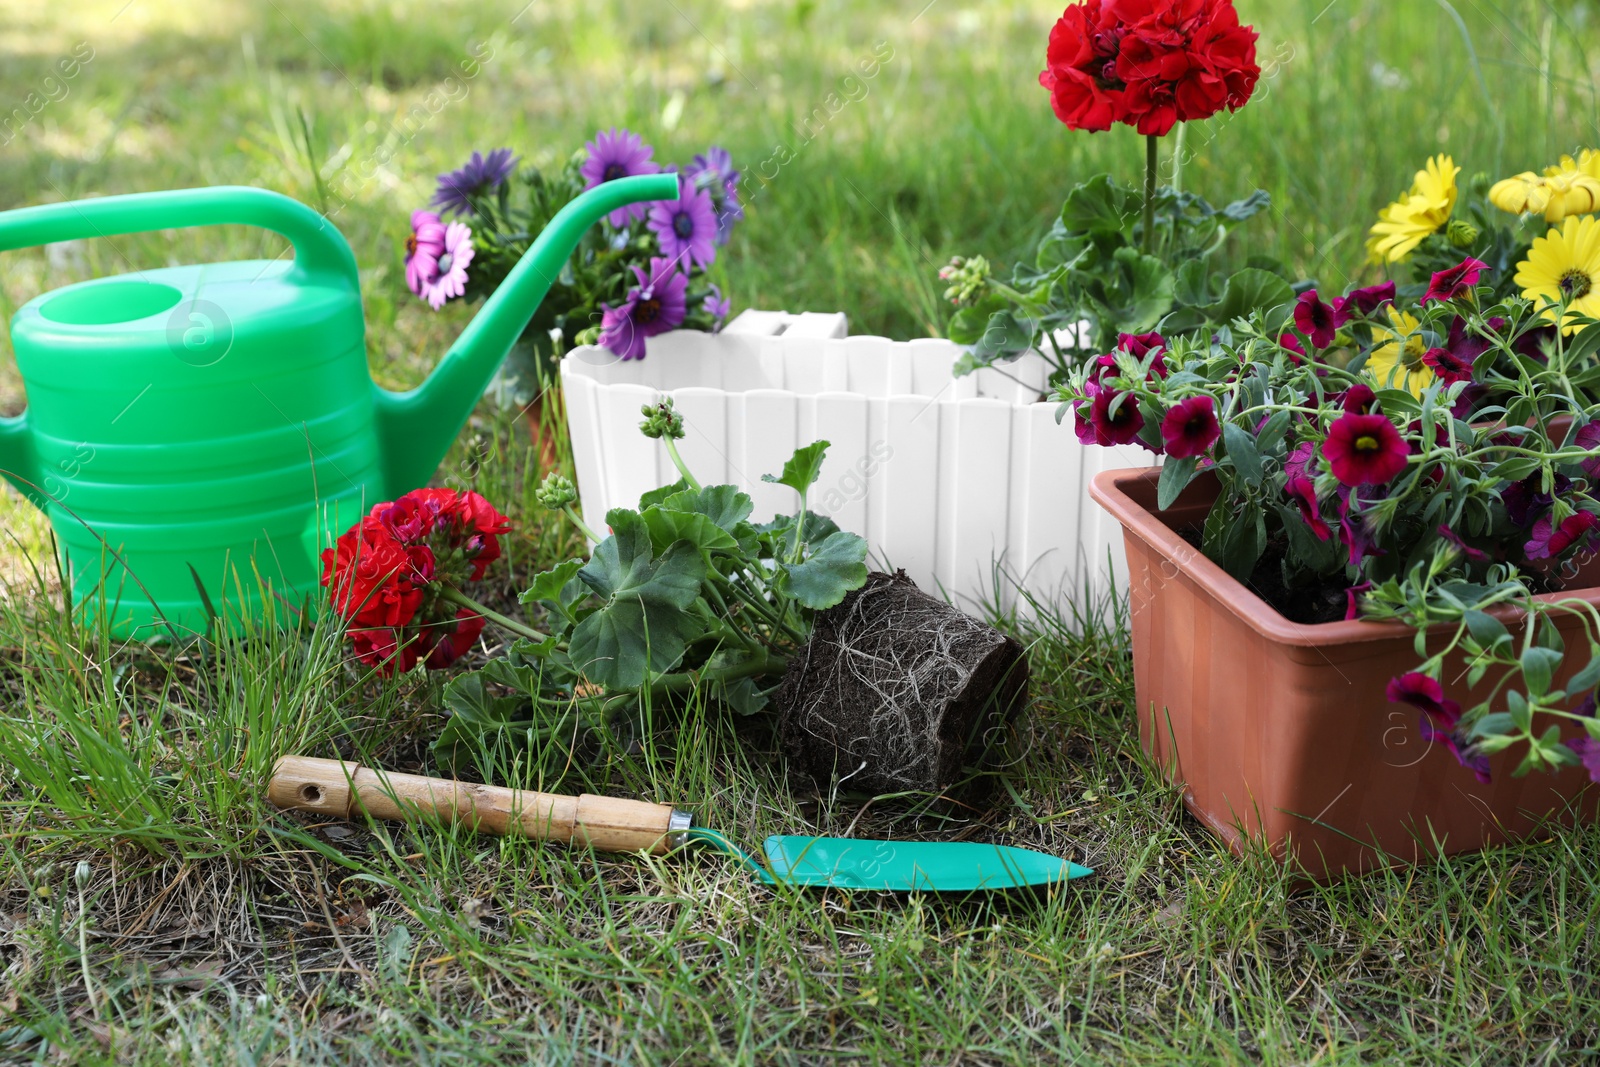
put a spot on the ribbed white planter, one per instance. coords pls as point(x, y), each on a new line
point(967, 483)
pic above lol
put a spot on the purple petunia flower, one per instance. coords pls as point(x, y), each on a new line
point(1589, 437)
point(450, 270)
point(477, 175)
point(617, 154)
point(1352, 600)
point(1353, 528)
point(1526, 499)
point(1453, 360)
point(655, 306)
point(715, 171)
point(1588, 750)
point(423, 249)
point(686, 227)
point(717, 306)
point(1455, 539)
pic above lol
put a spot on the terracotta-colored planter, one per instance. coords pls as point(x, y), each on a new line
point(1281, 732)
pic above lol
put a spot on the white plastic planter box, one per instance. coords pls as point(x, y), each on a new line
point(967, 483)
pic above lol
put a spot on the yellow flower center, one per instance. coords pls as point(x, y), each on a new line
point(1366, 443)
point(1575, 284)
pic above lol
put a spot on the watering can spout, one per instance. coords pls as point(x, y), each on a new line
point(418, 426)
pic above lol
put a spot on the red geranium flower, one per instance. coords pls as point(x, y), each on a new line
point(1190, 427)
point(1148, 63)
point(1364, 449)
point(1449, 284)
point(385, 575)
point(1317, 320)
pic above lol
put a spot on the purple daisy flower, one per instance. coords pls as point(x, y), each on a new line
point(479, 173)
point(617, 154)
point(717, 306)
point(687, 226)
point(450, 271)
point(423, 249)
point(655, 306)
point(715, 171)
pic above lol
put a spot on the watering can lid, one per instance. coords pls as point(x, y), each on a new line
point(197, 308)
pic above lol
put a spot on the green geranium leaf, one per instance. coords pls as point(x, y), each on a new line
point(744, 696)
point(802, 469)
point(698, 530)
point(1250, 290)
point(644, 625)
point(1192, 283)
point(724, 505)
point(551, 586)
point(833, 567)
point(1253, 204)
point(968, 324)
point(1135, 293)
point(656, 496)
point(1100, 205)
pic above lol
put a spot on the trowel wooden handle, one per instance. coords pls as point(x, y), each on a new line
point(340, 789)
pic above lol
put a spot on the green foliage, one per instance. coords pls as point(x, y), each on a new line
point(683, 592)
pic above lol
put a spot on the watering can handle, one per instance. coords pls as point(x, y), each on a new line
point(319, 249)
point(320, 252)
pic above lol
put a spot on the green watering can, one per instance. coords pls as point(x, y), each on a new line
point(200, 433)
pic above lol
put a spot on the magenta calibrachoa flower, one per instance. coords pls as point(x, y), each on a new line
point(1440, 720)
point(1550, 540)
point(1364, 449)
point(1190, 427)
point(655, 306)
point(1449, 284)
point(617, 154)
point(1111, 423)
point(1317, 320)
point(478, 175)
point(1364, 302)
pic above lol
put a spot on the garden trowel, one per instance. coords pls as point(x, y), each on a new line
point(611, 824)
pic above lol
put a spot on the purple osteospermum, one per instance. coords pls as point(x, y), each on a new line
point(655, 306)
point(617, 154)
point(423, 249)
point(478, 174)
point(686, 227)
point(717, 306)
point(1364, 301)
point(450, 274)
point(1190, 427)
point(1549, 540)
point(715, 169)
point(1317, 320)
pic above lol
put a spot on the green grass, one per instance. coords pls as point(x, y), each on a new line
point(208, 928)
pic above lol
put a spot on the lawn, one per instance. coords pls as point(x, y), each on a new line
point(156, 910)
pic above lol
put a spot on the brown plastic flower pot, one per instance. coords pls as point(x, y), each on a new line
point(1280, 732)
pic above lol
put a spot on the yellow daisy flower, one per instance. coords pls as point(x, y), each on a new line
point(1571, 187)
point(1564, 266)
point(1422, 210)
point(1397, 363)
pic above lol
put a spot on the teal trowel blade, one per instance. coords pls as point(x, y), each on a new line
point(943, 866)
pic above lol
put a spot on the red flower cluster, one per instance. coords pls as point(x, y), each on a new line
point(1148, 63)
point(384, 575)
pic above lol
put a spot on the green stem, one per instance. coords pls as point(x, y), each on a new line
point(521, 629)
point(677, 461)
point(583, 527)
point(769, 664)
point(1149, 192)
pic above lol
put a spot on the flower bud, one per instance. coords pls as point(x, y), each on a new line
point(1461, 233)
point(82, 874)
point(588, 336)
point(968, 279)
point(661, 420)
point(556, 492)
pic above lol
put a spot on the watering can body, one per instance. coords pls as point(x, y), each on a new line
point(198, 434)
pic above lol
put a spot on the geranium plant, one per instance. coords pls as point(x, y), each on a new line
point(1121, 258)
point(1425, 460)
point(641, 273)
point(682, 594)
